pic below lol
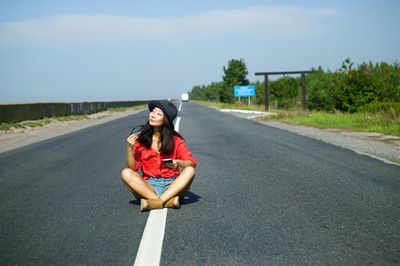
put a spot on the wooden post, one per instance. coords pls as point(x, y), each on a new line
point(303, 91)
point(266, 93)
point(303, 85)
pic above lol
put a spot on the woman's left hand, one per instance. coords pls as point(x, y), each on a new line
point(172, 165)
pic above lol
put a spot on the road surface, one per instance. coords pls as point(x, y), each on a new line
point(262, 196)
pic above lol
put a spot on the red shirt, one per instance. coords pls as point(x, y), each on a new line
point(150, 161)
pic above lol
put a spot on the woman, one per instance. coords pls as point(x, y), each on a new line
point(162, 182)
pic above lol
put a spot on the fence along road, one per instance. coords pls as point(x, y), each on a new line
point(261, 196)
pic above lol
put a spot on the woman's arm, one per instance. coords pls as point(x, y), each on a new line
point(184, 156)
point(180, 163)
point(185, 164)
point(130, 159)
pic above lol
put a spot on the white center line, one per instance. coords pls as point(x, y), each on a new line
point(150, 248)
point(178, 120)
point(180, 106)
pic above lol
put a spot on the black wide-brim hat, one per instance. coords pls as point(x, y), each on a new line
point(168, 108)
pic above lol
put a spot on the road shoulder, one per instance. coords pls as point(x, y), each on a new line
point(16, 138)
point(377, 145)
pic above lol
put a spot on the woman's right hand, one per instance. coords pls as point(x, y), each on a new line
point(132, 139)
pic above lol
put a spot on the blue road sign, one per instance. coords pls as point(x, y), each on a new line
point(243, 91)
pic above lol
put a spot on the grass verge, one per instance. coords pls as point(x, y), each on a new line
point(380, 122)
point(365, 122)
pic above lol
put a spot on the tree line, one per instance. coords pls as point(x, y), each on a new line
point(347, 89)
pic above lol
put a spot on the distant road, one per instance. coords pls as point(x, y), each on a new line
point(261, 196)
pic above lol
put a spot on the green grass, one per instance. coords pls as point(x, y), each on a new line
point(366, 122)
point(381, 122)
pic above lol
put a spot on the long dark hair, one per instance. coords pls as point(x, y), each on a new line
point(167, 137)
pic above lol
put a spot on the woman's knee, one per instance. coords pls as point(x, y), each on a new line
point(127, 174)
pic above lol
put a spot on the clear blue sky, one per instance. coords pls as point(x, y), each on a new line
point(135, 50)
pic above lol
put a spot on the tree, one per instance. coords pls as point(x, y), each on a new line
point(347, 89)
point(321, 89)
point(347, 65)
point(197, 93)
point(284, 90)
point(259, 93)
point(357, 89)
point(234, 74)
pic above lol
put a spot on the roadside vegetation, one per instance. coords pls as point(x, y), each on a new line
point(40, 122)
point(381, 122)
point(362, 98)
point(48, 120)
point(367, 122)
point(123, 109)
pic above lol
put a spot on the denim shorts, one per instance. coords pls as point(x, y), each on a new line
point(160, 184)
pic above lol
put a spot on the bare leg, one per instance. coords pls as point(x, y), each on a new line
point(185, 191)
point(137, 185)
point(181, 183)
point(131, 190)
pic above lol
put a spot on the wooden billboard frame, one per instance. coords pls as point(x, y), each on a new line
point(303, 85)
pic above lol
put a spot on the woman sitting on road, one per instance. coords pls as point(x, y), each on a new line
point(162, 182)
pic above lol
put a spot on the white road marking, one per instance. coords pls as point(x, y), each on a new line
point(178, 120)
point(150, 247)
point(180, 106)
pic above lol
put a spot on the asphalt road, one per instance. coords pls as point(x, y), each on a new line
point(262, 196)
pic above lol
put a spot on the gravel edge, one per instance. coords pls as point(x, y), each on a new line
point(379, 146)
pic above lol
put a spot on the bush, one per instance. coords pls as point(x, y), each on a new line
point(259, 91)
point(356, 89)
point(387, 79)
point(391, 110)
point(347, 90)
point(321, 89)
point(378, 107)
point(284, 90)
